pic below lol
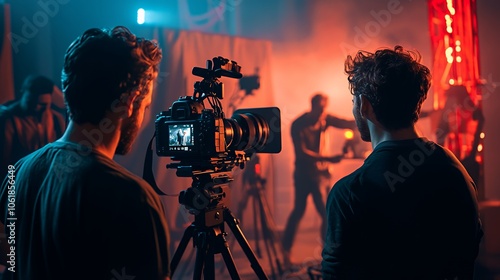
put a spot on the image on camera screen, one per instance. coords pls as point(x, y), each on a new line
point(181, 136)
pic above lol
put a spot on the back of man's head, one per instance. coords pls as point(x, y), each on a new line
point(100, 66)
point(393, 81)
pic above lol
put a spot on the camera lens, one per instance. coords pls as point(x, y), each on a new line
point(246, 132)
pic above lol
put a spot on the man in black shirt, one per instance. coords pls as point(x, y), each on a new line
point(410, 212)
point(73, 212)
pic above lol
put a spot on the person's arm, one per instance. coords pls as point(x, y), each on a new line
point(337, 244)
point(340, 123)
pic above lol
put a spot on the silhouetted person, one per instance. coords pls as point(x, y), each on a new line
point(307, 132)
point(79, 214)
point(180, 136)
point(410, 211)
point(29, 123)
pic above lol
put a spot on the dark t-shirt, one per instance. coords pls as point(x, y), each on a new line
point(410, 212)
point(80, 215)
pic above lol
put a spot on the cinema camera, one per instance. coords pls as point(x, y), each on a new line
point(205, 145)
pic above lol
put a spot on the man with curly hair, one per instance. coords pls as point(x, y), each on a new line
point(78, 214)
point(410, 211)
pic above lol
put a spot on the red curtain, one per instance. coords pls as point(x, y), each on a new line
point(6, 73)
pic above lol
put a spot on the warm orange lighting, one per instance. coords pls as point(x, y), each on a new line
point(479, 159)
point(452, 82)
point(458, 48)
point(481, 135)
point(367, 153)
point(449, 56)
point(449, 4)
point(457, 42)
point(449, 20)
point(479, 147)
point(257, 169)
point(348, 134)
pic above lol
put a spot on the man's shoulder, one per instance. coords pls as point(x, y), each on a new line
point(108, 185)
point(80, 161)
point(86, 170)
point(114, 178)
point(350, 178)
point(108, 170)
point(300, 120)
point(341, 194)
point(346, 182)
point(9, 110)
point(358, 183)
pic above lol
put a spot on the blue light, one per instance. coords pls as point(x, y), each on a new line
point(141, 16)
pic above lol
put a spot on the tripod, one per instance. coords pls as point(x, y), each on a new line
point(261, 211)
point(207, 230)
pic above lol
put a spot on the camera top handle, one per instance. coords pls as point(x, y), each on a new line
point(218, 67)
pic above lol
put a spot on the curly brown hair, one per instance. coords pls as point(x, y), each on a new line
point(101, 65)
point(393, 81)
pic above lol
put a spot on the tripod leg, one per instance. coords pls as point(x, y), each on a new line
point(188, 234)
point(265, 237)
point(209, 269)
point(223, 248)
point(271, 230)
point(256, 228)
point(242, 206)
point(201, 243)
point(254, 263)
point(269, 236)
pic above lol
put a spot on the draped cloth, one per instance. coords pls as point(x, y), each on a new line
point(6, 73)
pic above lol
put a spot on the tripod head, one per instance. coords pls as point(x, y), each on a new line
point(207, 196)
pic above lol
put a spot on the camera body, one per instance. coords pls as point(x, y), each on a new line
point(188, 129)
